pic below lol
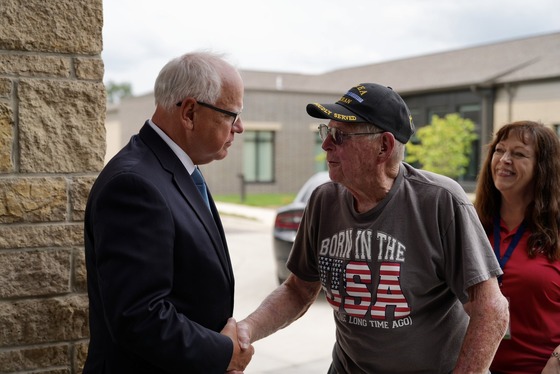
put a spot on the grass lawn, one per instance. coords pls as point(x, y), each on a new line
point(260, 200)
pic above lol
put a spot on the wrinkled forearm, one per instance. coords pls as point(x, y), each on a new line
point(282, 307)
point(489, 317)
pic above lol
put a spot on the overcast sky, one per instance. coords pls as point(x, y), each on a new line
point(306, 36)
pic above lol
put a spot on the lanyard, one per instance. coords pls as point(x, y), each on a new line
point(510, 248)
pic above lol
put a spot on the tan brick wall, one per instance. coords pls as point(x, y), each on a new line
point(52, 145)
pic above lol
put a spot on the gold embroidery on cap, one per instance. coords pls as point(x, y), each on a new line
point(344, 118)
point(323, 109)
point(345, 100)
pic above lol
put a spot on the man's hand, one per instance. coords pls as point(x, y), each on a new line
point(243, 335)
point(241, 357)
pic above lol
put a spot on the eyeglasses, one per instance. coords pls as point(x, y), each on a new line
point(338, 135)
point(227, 112)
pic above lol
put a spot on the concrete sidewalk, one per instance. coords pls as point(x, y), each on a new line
point(264, 215)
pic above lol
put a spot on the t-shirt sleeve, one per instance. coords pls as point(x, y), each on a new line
point(470, 257)
point(303, 260)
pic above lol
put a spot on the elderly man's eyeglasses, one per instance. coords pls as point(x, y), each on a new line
point(220, 110)
point(338, 135)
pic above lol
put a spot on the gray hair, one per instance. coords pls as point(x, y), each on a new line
point(196, 74)
point(398, 151)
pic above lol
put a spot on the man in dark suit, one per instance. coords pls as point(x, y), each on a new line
point(160, 279)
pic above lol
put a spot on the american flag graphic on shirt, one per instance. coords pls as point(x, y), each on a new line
point(389, 293)
point(354, 278)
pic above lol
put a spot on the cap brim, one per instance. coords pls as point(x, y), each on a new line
point(335, 112)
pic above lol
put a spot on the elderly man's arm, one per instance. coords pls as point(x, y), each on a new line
point(279, 309)
point(489, 317)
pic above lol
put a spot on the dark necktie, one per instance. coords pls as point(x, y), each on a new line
point(201, 185)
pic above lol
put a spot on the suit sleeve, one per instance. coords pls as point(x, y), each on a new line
point(134, 232)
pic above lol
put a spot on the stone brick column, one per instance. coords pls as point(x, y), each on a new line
point(52, 146)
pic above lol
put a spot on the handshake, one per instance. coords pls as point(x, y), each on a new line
point(243, 350)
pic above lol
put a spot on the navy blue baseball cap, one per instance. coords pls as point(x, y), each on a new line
point(369, 103)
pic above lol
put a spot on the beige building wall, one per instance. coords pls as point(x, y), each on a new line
point(539, 101)
point(52, 144)
point(125, 119)
point(277, 110)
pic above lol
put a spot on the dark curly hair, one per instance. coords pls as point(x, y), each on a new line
point(543, 214)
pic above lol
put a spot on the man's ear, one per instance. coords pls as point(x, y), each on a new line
point(387, 145)
point(187, 112)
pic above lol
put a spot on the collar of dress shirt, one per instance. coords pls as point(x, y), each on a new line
point(185, 159)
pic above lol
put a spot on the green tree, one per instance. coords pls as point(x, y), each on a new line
point(116, 91)
point(445, 145)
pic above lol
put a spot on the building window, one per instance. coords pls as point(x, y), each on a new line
point(258, 156)
point(472, 112)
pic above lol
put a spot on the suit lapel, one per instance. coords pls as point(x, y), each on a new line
point(188, 189)
point(211, 221)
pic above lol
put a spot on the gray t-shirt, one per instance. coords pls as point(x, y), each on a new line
point(396, 276)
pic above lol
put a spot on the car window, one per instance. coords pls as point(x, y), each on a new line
point(316, 180)
point(307, 194)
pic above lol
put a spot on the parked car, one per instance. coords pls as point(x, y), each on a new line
point(287, 223)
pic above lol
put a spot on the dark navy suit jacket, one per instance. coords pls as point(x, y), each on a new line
point(160, 279)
